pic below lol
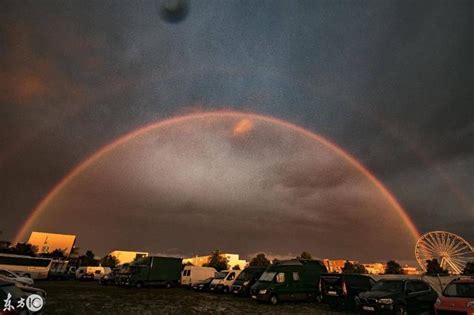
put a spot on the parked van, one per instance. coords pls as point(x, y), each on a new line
point(247, 279)
point(194, 274)
point(223, 281)
point(150, 271)
point(92, 271)
point(289, 280)
point(341, 289)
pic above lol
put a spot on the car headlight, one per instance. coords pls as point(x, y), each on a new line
point(246, 282)
point(385, 301)
point(470, 304)
point(264, 291)
point(438, 301)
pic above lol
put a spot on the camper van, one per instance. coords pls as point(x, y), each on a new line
point(93, 272)
point(289, 280)
point(194, 274)
point(224, 280)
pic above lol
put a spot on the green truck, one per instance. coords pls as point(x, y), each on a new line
point(151, 271)
point(290, 280)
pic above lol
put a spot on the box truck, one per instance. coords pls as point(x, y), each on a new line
point(194, 274)
point(150, 271)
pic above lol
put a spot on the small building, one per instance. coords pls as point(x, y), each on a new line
point(408, 270)
point(126, 257)
point(375, 268)
point(232, 260)
point(336, 265)
point(46, 243)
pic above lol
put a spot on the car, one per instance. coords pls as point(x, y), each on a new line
point(246, 280)
point(398, 296)
point(202, 286)
point(339, 290)
point(457, 298)
point(9, 275)
point(107, 279)
point(88, 276)
point(12, 291)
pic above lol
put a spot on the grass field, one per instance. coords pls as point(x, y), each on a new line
point(75, 297)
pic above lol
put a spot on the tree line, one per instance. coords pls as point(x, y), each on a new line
point(218, 261)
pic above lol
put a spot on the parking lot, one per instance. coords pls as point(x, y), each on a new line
point(75, 297)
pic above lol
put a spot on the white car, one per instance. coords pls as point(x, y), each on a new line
point(8, 275)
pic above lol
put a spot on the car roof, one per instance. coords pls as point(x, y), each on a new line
point(464, 280)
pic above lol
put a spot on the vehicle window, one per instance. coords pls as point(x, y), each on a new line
point(189, 272)
point(392, 286)
point(280, 277)
point(359, 282)
point(231, 276)
point(410, 288)
point(221, 275)
point(97, 272)
point(296, 276)
point(421, 286)
point(267, 276)
point(465, 290)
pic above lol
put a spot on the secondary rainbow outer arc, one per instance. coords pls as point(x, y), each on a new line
point(180, 119)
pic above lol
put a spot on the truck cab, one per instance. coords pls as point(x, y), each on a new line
point(223, 281)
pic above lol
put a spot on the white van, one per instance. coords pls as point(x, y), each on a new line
point(224, 281)
point(97, 272)
point(195, 274)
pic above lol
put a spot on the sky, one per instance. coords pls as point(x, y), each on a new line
point(389, 82)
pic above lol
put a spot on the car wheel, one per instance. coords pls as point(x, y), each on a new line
point(139, 285)
point(274, 299)
point(168, 285)
point(401, 310)
point(225, 290)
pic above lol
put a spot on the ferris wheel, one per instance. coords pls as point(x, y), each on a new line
point(451, 251)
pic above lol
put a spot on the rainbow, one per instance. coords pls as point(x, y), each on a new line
point(42, 205)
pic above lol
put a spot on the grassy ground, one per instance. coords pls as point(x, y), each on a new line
point(75, 297)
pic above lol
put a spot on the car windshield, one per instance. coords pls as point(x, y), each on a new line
point(465, 290)
point(392, 286)
point(221, 275)
point(267, 276)
point(245, 275)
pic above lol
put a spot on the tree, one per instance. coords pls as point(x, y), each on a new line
point(217, 260)
point(393, 268)
point(306, 255)
point(236, 267)
point(109, 261)
point(88, 259)
point(434, 268)
point(259, 260)
point(55, 254)
point(24, 249)
point(469, 269)
point(353, 268)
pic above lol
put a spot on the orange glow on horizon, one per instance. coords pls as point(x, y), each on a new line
point(245, 119)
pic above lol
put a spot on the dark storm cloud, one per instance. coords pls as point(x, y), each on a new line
point(390, 82)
